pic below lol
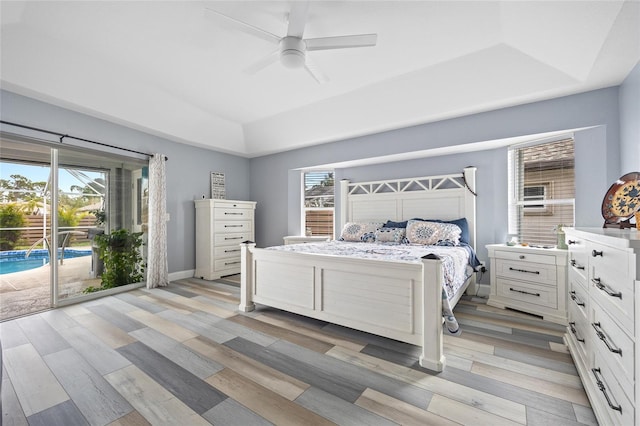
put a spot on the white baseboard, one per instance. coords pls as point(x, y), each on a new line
point(173, 276)
point(484, 290)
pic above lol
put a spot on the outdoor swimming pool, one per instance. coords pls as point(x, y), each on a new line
point(15, 260)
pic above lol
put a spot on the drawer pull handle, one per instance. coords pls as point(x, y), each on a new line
point(596, 253)
point(572, 325)
point(524, 292)
point(604, 288)
point(232, 213)
point(570, 242)
point(232, 238)
point(598, 328)
point(524, 270)
point(233, 226)
point(231, 263)
point(231, 251)
point(603, 389)
point(575, 299)
point(575, 265)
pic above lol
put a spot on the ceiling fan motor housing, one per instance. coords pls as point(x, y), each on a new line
point(292, 52)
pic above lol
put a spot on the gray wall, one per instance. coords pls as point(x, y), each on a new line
point(630, 121)
point(188, 167)
point(597, 161)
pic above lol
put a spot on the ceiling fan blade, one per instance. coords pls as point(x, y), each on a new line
point(315, 72)
point(247, 28)
point(341, 42)
point(297, 18)
point(264, 62)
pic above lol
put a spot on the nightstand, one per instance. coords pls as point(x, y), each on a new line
point(528, 279)
point(299, 239)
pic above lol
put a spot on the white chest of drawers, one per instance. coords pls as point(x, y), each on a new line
point(528, 279)
point(221, 225)
point(604, 319)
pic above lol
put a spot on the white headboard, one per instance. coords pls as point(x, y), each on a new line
point(432, 197)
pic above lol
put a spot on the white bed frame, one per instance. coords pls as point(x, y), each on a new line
point(396, 300)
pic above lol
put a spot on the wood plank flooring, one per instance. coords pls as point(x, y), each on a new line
point(184, 355)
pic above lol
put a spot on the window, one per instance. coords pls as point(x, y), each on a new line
point(541, 190)
point(318, 203)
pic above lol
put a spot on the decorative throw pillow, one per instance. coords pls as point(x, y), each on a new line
point(432, 233)
point(353, 231)
point(390, 235)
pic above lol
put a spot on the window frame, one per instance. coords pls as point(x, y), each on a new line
point(304, 209)
point(519, 208)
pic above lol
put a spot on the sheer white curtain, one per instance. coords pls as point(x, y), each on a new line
point(157, 267)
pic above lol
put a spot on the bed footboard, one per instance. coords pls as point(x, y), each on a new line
point(352, 293)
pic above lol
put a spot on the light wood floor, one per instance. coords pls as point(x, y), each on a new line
point(184, 355)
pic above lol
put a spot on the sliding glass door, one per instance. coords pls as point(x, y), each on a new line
point(80, 213)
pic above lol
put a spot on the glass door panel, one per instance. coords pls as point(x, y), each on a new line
point(25, 219)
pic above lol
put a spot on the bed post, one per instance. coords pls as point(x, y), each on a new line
point(432, 356)
point(246, 276)
point(469, 175)
point(344, 204)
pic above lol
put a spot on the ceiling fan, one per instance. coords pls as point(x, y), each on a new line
point(292, 48)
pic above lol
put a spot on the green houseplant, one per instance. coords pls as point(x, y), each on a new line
point(120, 253)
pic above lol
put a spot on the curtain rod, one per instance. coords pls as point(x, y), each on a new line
point(64, 135)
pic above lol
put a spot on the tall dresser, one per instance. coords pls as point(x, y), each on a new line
point(604, 319)
point(221, 225)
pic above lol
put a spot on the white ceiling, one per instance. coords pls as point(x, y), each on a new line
point(174, 69)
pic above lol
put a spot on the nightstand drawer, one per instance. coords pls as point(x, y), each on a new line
point(526, 257)
point(530, 293)
point(527, 271)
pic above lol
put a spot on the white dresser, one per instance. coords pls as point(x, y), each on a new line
point(221, 225)
point(604, 319)
point(528, 279)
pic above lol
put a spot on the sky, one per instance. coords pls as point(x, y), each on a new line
point(40, 173)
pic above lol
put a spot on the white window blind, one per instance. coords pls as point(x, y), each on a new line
point(319, 203)
point(541, 190)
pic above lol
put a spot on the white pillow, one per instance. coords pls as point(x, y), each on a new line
point(354, 231)
point(432, 233)
point(390, 235)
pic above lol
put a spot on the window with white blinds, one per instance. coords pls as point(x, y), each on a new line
point(318, 204)
point(541, 190)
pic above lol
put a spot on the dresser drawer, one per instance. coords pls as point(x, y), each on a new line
point(579, 299)
point(231, 264)
point(529, 293)
point(537, 272)
point(618, 408)
point(230, 213)
point(234, 226)
point(527, 257)
point(227, 251)
point(578, 331)
point(617, 296)
point(231, 239)
point(578, 258)
point(616, 348)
